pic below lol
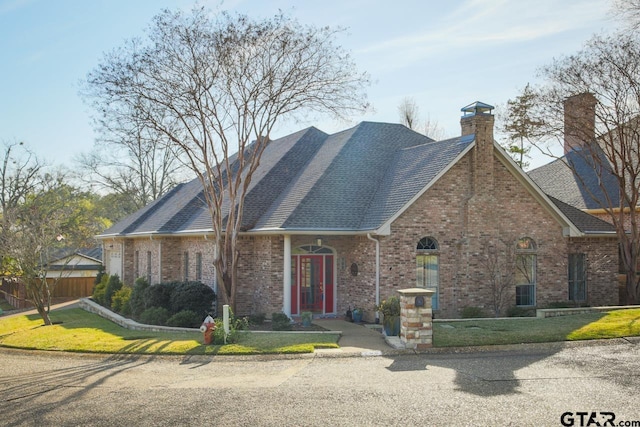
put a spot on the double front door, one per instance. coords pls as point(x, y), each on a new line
point(312, 287)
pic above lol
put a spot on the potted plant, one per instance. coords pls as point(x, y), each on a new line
point(356, 315)
point(307, 317)
point(390, 309)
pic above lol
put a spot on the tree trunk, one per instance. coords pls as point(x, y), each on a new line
point(632, 288)
point(38, 300)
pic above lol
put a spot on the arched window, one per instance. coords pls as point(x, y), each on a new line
point(525, 272)
point(427, 270)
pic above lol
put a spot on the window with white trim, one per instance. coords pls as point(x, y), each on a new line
point(577, 277)
point(525, 272)
point(427, 268)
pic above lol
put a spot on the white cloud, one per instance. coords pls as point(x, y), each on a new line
point(486, 23)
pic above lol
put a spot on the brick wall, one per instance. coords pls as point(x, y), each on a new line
point(602, 265)
point(465, 223)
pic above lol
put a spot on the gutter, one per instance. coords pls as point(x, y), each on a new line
point(377, 273)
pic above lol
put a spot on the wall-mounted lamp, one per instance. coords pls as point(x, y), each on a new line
point(319, 241)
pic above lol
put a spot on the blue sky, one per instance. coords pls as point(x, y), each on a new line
point(444, 54)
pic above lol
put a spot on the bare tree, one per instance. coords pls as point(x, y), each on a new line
point(433, 129)
point(590, 104)
point(131, 159)
point(628, 11)
point(19, 176)
point(409, 112)
point(499, 265)
point(215, 89)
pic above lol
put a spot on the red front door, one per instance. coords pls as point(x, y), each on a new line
point(312, 287)
point(311, 283)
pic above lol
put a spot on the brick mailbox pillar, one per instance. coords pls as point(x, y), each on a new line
point(416, 330)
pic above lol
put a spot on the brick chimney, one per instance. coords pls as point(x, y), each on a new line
point(478, 120)
point(579, 121)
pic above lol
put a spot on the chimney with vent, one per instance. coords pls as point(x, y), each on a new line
point(478, 120)
point(579, 121)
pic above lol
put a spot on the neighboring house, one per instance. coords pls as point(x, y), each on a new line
point(574, 178)
point(73, 273)
point(345, 220)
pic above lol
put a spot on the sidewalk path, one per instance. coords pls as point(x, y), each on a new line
point(356, 338)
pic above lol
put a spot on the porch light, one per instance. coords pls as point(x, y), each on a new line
point(319, 241)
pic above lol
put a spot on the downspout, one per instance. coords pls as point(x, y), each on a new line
point(377, 273)
point(286, 276)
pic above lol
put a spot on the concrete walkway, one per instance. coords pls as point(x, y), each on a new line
point(357, 338)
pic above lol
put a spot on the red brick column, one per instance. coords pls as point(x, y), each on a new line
point(416, 329)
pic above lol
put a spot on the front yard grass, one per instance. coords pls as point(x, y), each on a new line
point(612, 324)
point(76, 330)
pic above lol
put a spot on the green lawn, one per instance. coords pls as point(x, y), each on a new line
point(79, 331)
point(612, 324)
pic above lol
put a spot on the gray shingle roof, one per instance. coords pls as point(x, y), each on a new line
point(305, 180)
point(577, 185)
point(354, 180)
point(585, 222)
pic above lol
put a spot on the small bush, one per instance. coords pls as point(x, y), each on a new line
point(235, 326)
point(185, 319)
point(100, 289)
point(193, 296)
point(280, 322)
point(113, 285)
point(99, 292)
point(120, 301)
point(473, 313)
point(159, 295)
point(155, 316)
point(257, 319)
point(136, 301)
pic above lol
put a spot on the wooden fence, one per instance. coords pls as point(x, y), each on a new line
point(67, 288)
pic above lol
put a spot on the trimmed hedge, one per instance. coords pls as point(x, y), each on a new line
point(193, 296)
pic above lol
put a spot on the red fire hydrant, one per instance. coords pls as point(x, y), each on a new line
point(208, 327)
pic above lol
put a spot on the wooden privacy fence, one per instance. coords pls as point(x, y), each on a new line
point(73, 287)
point(68, 287)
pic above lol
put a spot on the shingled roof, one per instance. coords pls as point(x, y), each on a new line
point(353, 181)
point(575, 181)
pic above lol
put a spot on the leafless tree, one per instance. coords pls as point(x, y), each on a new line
point(19, 175)
point(215, 88)
point(627, 11)
point(605, 76)
point(433, 129)
point(131, 159)
point(409, 112)
point(498, 263)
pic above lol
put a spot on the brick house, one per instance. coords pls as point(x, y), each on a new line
point(345, 220)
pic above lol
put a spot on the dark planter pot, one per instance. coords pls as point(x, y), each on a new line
point(356, 316)
point(392, 326)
